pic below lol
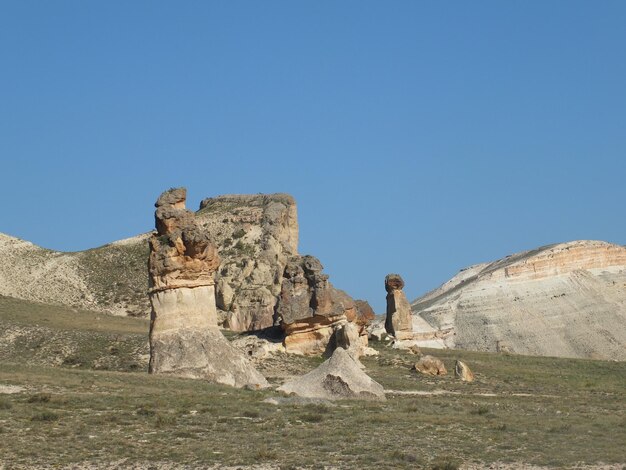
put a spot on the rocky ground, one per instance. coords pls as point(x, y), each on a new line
point(520, 412)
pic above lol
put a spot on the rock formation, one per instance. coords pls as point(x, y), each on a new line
point(463, 372)
point(398, 321)
point(255, 235)
point(430, 365)
point(309, 308)
point(184, 336)
point(339, 377)
point(565, 300)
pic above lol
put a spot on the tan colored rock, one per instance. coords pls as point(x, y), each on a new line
point(255, 236)
point(309, 308)
point(565, 300)
point(184, 336)
point(430, 365)
point(463, 372)
point(349, 337)
point(398, 318)
point(339, 377)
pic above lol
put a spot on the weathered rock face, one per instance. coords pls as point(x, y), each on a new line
point(349, 337)
point(398, 308)
point(309, 308)
point(463, 372)
point(339, 377)
point(184, 337)
point(565, 300)
point(255, 236)
point(430, 365)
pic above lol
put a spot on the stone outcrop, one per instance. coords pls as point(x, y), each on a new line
point(463, 372)
point(430, 365)
point(339, 377)
point(398, 321)
point(309, 308)
point(566, 300)
point(256, 235)
point(184, 335)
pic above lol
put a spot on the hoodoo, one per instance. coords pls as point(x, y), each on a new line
point(184, 336)
point(398, 322)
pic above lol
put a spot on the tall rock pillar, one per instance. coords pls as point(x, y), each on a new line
point(399, 322)
point(184, 337)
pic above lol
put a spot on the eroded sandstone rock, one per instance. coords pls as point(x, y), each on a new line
point(255, 236)
point(184, 336)
point(430, 365)
point(463, 372)
point(309, 308)
point(398, 321)
point(339, 377)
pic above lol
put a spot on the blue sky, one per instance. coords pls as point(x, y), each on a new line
point(417, 137)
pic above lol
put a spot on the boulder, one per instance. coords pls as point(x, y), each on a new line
point(364, 313)
point(430, 365)
point(184, 335)
point(463, 372)
point(257, 348)
point(309, 308)
point(348, 337)
point(398, 319)
point(339, 377)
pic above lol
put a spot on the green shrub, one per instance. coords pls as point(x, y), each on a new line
point(45, 416)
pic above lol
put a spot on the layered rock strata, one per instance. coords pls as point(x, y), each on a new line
point(184, 335)
point(398, 321)
point(309, 308)
point(565, 300)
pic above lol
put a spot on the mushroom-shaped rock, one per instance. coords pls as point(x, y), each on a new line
point(430, 365)
point(399, 319)
point(463, 372)
point(184, 337)
point(339, 377)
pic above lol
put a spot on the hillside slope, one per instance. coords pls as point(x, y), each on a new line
point(112, 278)
point(565, 300)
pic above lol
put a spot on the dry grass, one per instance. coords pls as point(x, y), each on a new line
point(541, 411)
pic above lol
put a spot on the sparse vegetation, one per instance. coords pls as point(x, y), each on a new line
point(534, 410)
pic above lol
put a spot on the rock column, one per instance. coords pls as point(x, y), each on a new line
point(184, 336)
point(399, 322)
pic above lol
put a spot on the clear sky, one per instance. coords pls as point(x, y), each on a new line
point(417, 137)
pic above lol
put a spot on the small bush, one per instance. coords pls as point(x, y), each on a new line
point(45, 416)
point(265, 453)
point(5, 404)
point(239, 233)
point(312, 418)
point(145, 411)
point(251, 414)
point(481, 411)
point(398, 456)
point(72, 361)
point(39, 398)
point(445, 464)
point(164, 421)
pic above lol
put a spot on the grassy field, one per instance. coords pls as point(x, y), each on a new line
point(540, 411)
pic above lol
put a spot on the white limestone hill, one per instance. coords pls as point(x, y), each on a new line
point(566, 300)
